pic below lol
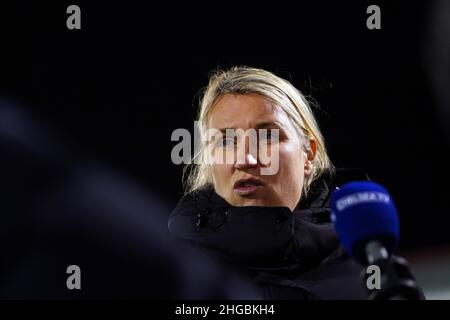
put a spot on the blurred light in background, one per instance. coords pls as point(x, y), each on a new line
point(431, 267)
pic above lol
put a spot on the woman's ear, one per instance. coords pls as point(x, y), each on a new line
point(310, 155)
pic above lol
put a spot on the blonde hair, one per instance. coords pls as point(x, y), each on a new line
point(281, 93)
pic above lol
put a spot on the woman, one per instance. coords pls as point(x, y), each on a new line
point(275, 226)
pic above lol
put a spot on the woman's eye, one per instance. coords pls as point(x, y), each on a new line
point(271, 135)
point(226, 141)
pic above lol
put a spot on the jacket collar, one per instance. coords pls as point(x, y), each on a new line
point(305, 237)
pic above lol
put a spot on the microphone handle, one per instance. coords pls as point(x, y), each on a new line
point(397, 280)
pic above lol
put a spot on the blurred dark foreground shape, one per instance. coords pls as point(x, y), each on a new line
point(58, 208)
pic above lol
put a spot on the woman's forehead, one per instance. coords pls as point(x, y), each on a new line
point(246, 111)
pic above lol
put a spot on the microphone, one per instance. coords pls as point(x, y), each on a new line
point(366, 221)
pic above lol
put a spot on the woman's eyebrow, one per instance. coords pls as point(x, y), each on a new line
point(223, 130)
point(268, 124)
point(260, 125)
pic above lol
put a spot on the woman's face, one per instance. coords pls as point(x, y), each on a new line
point(284, 187)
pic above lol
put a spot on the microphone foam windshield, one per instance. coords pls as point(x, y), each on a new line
point(363, 211)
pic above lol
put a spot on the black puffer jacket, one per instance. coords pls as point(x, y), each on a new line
point(288, 255)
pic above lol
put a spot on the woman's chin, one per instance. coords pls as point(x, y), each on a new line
point(256, 202)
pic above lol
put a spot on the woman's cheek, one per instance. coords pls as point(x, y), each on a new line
point(269, 157)
point(222, 174)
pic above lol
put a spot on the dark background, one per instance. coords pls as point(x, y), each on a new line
point(116, 89)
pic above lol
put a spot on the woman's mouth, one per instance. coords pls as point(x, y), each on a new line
point(247, 186)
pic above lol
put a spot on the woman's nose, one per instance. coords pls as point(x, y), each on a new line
point(245, 161)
